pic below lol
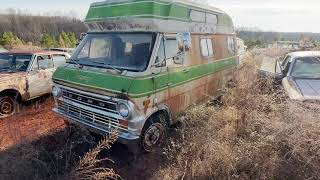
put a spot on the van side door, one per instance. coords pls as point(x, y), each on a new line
point(178, 74)
point(39, 76)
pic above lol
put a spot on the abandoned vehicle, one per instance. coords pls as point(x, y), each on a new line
point(143, 62)
point(299, 74)
point(26, 75)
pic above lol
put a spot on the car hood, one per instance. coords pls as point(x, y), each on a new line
point(309, 88)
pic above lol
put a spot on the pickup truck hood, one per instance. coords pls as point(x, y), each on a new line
point(309, 88)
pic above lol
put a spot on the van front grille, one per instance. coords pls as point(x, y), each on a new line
point(91, 117)
point(90, 101)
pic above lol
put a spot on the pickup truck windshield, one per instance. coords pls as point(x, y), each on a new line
point(306, 67)
point(130, 51)
point(14, 63)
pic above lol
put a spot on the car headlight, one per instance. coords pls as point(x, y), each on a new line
point(124, 110)
point(56, 92)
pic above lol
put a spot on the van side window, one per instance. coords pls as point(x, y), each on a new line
point(59, 60)
point(171, 48)
point(231, 44)
point(206, 47)
point(161, 55)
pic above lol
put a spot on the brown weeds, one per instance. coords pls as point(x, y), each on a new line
point(90, 168)
point(256, 134)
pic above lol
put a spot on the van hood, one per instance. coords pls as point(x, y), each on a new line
point(102, 82)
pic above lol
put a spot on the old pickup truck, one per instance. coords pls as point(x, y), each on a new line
point(25, 75)
point(299, 74)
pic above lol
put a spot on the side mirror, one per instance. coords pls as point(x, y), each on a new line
point(179, 59)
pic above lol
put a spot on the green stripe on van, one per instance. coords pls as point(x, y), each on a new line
point(140, 87)
point(143, 9)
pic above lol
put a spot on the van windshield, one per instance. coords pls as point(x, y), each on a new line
point(115, 50)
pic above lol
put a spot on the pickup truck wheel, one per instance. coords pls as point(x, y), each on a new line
point(7, 106)
point(154, 132)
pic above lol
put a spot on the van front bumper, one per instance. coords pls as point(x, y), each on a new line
point(123, 137)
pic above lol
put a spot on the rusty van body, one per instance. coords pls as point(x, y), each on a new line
point(25, 75)
point(143, 62)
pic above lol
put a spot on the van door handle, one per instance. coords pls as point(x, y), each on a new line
point(186, 70)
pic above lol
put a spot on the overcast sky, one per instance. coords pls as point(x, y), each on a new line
point(274, 15)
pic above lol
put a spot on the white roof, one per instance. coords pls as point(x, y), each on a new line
point(305, 53)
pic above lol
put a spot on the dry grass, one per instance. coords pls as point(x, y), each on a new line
point(90, 166)
point(256, 134)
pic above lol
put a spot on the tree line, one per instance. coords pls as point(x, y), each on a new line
point(17, 29)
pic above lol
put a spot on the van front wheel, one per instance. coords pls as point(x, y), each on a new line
point(154, 132)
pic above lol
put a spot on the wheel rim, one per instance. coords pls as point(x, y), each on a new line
point(153, 136)
point(6, 106)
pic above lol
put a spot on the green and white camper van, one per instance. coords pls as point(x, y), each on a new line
point(141, 63)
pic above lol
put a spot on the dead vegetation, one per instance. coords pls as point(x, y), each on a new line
point(255, 134)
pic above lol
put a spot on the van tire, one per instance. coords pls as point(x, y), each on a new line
point(8, 106)
point(154, 132)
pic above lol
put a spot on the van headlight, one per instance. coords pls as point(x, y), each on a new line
point(124, 110)
point(56, 91)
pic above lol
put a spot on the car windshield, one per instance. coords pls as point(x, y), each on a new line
point(119, 51)
point(306, 67)
point(14, 63)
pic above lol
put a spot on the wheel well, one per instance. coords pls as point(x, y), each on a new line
point(12, 93)
point(165, 113)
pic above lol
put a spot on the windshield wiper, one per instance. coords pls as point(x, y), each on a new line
point(109, 66)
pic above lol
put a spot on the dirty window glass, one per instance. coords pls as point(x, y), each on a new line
point(171, 48)
point(210, 48)
point(161, 55)
point(11, 62)
point(126, 51)
point(44, 62)
point(306, 67)
point(198, 16)
point(59, 60)
point(231, 44)
point(211, 18)
point(206, 47)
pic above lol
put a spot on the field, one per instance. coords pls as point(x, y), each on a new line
point(256, 132)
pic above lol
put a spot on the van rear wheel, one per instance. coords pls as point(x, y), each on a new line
point(154, 133)
point(8, 106)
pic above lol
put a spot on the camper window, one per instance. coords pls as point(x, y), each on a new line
point(211, 18)
point(206, 47)
point(197, 16)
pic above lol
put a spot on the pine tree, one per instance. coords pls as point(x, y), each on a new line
point(47, 40)
point(66, 39)
point(73, 39)
point(8, 39)
point(61, 41)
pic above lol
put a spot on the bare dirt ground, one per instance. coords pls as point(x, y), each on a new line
point(34, 121)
